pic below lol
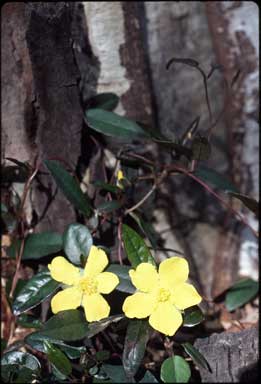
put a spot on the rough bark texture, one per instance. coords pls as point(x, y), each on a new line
point(233, 357)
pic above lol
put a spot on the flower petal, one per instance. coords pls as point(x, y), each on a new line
point(145, 277)
point(107, 281)
point(95, 307)
point(69, 298)
point(139, 305)
point(63, 271)
point(173, 271)
point(166, 319)
point(185, 295)
point(96, 262)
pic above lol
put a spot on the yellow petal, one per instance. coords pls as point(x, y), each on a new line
point(145, 278)
point(107, 281)
point(185, 295)
point(173, 271)
point(166, 319)
point(139, 305)
point(63, 271)
point(96, 262)
point(95, 307)
point(69, 298)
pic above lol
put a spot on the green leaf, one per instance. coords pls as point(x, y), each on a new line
point(77, 241)
point(14, 174)
point(28, 321)
point(111, 124)
point(106, 100)
point(135, 343)
point(122, 271)
point(36, 341)
point(57, 358)
point(14, 361)
point(241, 293)
point(37, 245)
point(99, 326)
point(42, 244)
point(68, 325)
point(69, 187)
point(109, 206)
point(146, 228)
point(107, 187)
point(135, 247)
point(115, 373)
point(148, 378)
point(192, 316)
point(249, 202)
point(34, 292)
point(175, 370)
point(3, 345)
point(201, 148)
point(102, 355)
point(219, 181)
point(196, 356)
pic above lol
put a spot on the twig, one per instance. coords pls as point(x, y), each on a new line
point(142, 200)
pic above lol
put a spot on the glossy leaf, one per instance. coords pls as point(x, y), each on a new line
point(37, 289)
point(109, 206)
point(68, 325)
point(111, 124)
point(116, 373)
point(146, 228)
point(99, 326)
point(241, 293)
point(107, 187)
point(36, 341)
point(175, 369)
point(148, 378)
point(135, 247)
point(106, 100)
point(249, 202)
point(196, 356)
point(216, 179)
point(57, 358)
point(14, 174)
point(28, 321)
point(192, 316)
point(16, 360)
point(122, 271)
point(136, 339)
point(42, 244)
point(77, 241)
point(69, 187)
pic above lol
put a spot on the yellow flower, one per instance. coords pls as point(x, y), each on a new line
point(85, 286)
point(120, 177)
point(161, 295)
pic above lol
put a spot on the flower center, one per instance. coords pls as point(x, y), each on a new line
point(163, 294)
point(88, 285)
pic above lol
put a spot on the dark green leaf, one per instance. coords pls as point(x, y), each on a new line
point(68, 325)
point(14, 174)
point(178, 148)
point(36, 340)
point(21, 359)
point(102, 355)
point(219, 181)
point(111, 124)
point(109, 206)
point(115, 373)
point(37, 289)
point(196, 356)
point(241, 293)
point(28, 321)
point(99, 326)
point(249, 202)
point(135, 247)
point(106, 100)
point(201, 148)
point(58, 359)
point(122, 271)
point(146, 228)
point(175, 370)
point(69, 187)
point(107, 187)
point(42, 244)
point(135, 343)
point(148, 378)
point(77, 241)
point(192, 316)
point(4, 208)
point(3, 345)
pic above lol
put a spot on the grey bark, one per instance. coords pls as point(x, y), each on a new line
point(233, 357)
